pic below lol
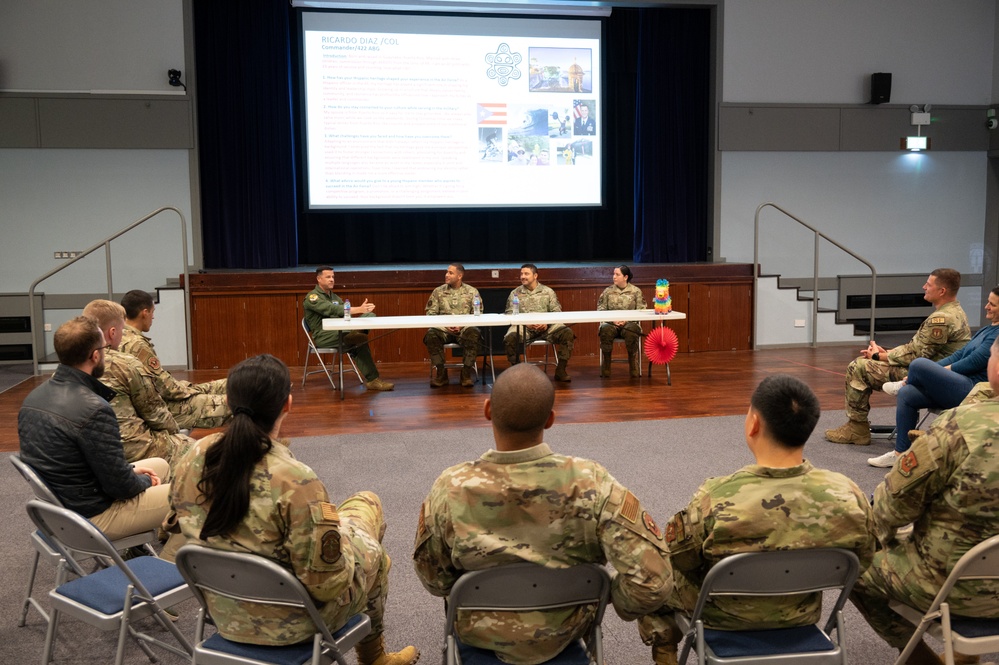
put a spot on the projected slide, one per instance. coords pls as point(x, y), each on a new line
point(439, 112)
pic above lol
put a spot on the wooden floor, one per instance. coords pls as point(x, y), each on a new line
point(704, 384)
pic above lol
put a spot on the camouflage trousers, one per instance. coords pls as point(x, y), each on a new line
point(864, 376)
point(897, 574)
point(562, 337)
point(469, 339)
point(362, 521)
point(631, 332)
point(145, 443)
point(732, 613)
point(206, 410)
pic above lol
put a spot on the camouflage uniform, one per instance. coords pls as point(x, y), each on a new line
point(148, 429)
point(336, 552)
point(613, 299)
point(759, 509)
point(946, 485)
point(192, 404)
point(941, 334)
point(979, 393)
point(319, 305)
point(541, 299)
point(444, 301)
point(533, 505)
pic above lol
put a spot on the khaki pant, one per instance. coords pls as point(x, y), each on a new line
point(142, 512)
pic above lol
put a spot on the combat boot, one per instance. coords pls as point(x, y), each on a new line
point(857, 432)
point(664, 654)
point(373, 653)
point(605, 364)
point(634, 364)
point(440, 377)
point(560, 373)
point(379, 384)
point(923, 655)
point(466, 377)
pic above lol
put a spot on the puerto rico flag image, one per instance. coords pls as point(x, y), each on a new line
point(490, 114)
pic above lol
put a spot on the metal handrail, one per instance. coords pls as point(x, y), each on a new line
point(815, 272)
point(106, 244)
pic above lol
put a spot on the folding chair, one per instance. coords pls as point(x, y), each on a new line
point(251, 578)
point(964, 634)
point(619, 359)
point(456, 364)
point(109, 598)
point(45, 549)
point(543, 364)
point(773, 574)
point(526, 587)
point(312, 349)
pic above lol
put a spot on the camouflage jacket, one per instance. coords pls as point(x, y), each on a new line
point(291, 521)
point(533, 505)
point(941, 334)
point(444, 300)
point(134, 343)
point(136, 403)
point(760, 509)
point(946, 486)
point(541, 299)
point(613, 298)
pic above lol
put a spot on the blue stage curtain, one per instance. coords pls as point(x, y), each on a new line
point(671, 143)
point(245, 133)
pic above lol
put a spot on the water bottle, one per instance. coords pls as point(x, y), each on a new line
point(476, 305)
point(516, 304)
point(346, 310)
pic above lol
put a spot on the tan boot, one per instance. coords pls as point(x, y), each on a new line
point(664, 654)
point(856, 432)
point(560, 373)
point(466, 377)
point(373, 653)
point(964, 659)
point(440, 377)
point(379, 384)
point(605, 364)
point(634, 361)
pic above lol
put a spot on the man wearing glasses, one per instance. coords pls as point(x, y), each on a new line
point(69, 435)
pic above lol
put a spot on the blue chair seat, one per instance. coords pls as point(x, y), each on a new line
point(291, 654)
point(105, 589)
point(574, 654)
point(733, 644)
point(969, 627)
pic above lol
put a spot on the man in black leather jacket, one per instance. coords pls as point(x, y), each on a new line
point(69, 435)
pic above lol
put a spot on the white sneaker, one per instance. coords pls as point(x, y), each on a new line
point(892, 387)
point(883, 461)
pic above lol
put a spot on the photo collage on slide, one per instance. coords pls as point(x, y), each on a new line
point(556, 130)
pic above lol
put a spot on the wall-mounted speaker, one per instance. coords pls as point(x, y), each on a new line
point(881, 88)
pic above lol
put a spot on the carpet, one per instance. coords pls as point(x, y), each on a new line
point(661, 461)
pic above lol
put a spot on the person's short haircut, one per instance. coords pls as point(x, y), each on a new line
point(788, 407)
point(533, 267)
point(105, 312)
point(948, 278)
point(995, 291)
point(135, 301)
point(522, 399)
point(626, 271)
point(76, 339)
point(321, 269)
point(458, 267)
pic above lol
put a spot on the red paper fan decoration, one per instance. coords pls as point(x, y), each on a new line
point(661, 345)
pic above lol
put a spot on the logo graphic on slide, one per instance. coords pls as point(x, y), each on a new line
point(490, 114)
point(503, 64)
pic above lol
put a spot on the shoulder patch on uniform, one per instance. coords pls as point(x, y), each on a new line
point(154, 362)
point(651, 525)
point(936, 320)
point(329, 512)
point(676, 529)
point(937, 333)
point(629, 509)
point(330, 547)
point(313, 297)
point(907, 463)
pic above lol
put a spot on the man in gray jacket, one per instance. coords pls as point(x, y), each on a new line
point(69, 435)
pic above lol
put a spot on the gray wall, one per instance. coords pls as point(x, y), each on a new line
point(906, 213)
